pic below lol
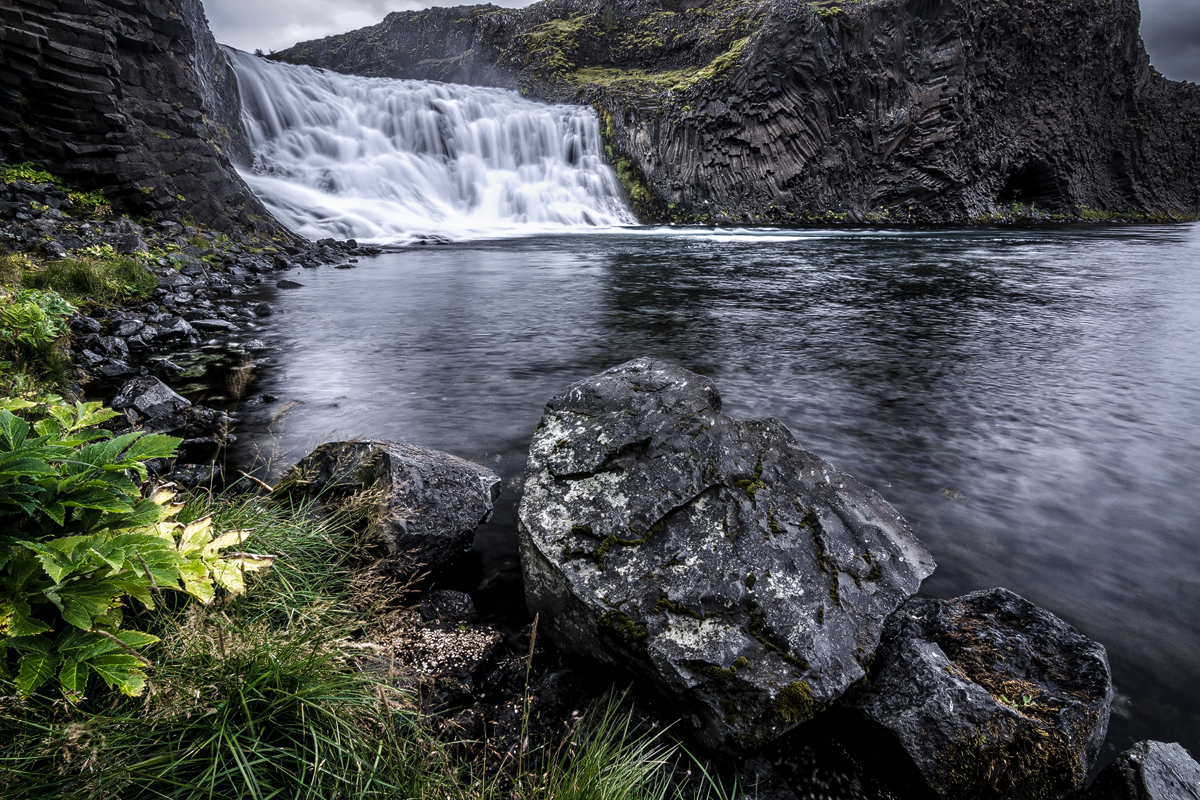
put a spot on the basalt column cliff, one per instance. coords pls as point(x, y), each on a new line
point(129, 96)
point(883, 111)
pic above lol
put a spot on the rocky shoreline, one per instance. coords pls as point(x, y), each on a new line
point(641, 519)
point(125, 355)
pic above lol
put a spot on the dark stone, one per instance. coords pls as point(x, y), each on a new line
point(1148, 771)
point(116, 368)
point(164, 368)
point(54, 249)
point(170, 279)
point(191, 476)
point(89, 360)
point(128, 328)
point(263, 310)
point(429, 502)
point(211, 325)
point(742, 577)
point(82, 324)
point(108, 345)
point(287, 284)
point(175, 328)
point(150, 398)
point(990, 695)
point(447, 605)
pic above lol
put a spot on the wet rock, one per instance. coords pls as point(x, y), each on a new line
point(1148, 771)
point(128, 328)
point(175, 328)
point(117, 368)
point(742, 577)
point(108, 345)
point(149, 397)
point(90, 360)
point(447, 605)
point(287, 284)
point(85, 325)
point(54, 249)
point(191, 476)
point(990, 695)
point(170, 279)
point(211, 325)
point(429, 502)
point(125, 236)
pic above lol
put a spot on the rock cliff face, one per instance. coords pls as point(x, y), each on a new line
point(878, 110)
point(129, 96)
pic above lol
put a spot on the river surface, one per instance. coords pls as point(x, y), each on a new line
point(1029, 399)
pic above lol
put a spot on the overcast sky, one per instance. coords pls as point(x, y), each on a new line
point(1171, 28)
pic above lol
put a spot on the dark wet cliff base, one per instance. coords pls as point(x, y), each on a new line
point(132, 98)
point(894, 111)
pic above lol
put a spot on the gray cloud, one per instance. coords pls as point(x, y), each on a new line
point(1170, 28)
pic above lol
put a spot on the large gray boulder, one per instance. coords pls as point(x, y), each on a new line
point(990, 695)
point(150, 398)
point(738, 575)
point(427, 504)
point(1148, 771)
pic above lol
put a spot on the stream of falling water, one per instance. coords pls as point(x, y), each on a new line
point(396, 161)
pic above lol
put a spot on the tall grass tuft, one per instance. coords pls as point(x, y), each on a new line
point(100, 276)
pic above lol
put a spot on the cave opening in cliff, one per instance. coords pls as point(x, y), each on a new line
point(1033, 183)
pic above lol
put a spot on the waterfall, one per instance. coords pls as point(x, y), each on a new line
point(391, 161)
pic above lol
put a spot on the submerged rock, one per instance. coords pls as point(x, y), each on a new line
point(427, 503)
point(1148, 771)
point(990, 695)
point(742, 577)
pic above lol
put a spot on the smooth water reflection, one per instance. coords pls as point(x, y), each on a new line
point(1028, 399)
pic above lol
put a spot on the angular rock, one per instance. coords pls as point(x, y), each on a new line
point(990, 695)
point(744, 578)
point(288, 284)
point(150, 397)
point(211, 325)
point(448, 605)
point(430, 502)
point(1148, 771)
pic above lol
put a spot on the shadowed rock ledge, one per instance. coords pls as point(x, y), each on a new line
point(132, 97)
point(878, 111)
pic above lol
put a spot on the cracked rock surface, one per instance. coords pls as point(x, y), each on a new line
point(990, 695)
point(739, 576)
point(1149, 771)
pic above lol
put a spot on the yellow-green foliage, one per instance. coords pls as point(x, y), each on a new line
point(676, 80)
point(34, 363)
point(94, 274)
point(92, 203)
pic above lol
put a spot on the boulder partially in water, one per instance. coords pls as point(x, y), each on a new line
point(990, 695)
point(426, 503)
point(743, 578)
point(1148, 771)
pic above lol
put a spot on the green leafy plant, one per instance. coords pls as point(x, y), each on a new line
point(26, 171)
point(33, 331)
point(80, 542)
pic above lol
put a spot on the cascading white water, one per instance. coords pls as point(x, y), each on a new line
point(391, 161)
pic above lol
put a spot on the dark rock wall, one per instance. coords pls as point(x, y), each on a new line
point(132, 97)
point(893, 110)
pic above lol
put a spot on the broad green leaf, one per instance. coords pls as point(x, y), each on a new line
point(98, 499)
point(120, 671)
point(35, 669)
point(249, 562)
point(83, 602)
point(73, 676)
point(26, 468)
point(56, 512)
point(16, 619)
point(152, 446)
point(228, 576)
point(227, 539)
point(195, 535)
point(196, 580)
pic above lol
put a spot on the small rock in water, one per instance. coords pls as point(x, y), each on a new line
point(990, 695)
point(289, 284)
point(1148, 771)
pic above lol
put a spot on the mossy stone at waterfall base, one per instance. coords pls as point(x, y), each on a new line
point(646, 508)
point(991, 696)
point(424, 504)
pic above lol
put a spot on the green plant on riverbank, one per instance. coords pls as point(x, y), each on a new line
point(82, 541)
point(96, 274)
point(92, 203)
point(34, 362)
point(260, 697)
